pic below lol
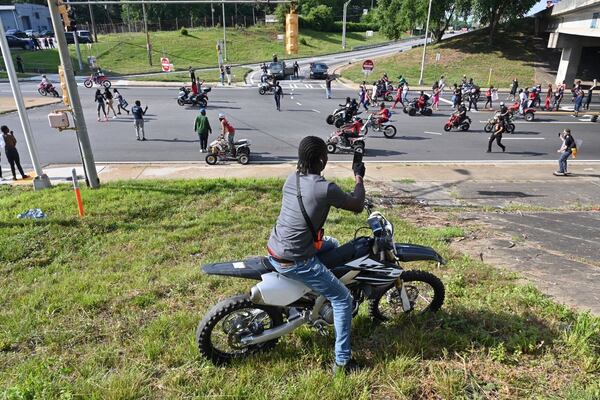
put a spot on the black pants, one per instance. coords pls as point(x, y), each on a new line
point(489, 101)
point(203, 140)
point(20, 68)
point(498, 139)
point(278, 102)
point(473, 102)
point(12, 155)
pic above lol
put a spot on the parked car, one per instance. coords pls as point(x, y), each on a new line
point(32, 34)
point(279, 70)
point(318, 70)
point(17, 33)
point(25, 44)
point(46, 33)
point(80, 39)
point(85, 35)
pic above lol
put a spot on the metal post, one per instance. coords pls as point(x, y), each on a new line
point(425, 45)
point(148, 45)
point(344, 25)
point(41, 180)
point(93, 23)
point(224, 34)
point(78, 51)
point(212, 14)
point(82, 134)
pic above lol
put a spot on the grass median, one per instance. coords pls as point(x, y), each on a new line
point(237, 75)
point(106, 307)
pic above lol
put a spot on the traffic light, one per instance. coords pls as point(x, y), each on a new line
point(63, 86)
point(64, 10)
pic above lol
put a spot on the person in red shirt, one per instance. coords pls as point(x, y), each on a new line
point(352, 129)
point(398, 98)
point(488, 97)
point(383, 114)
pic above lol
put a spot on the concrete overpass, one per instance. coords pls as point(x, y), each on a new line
point(574, 27)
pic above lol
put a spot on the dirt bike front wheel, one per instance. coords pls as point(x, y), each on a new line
point(219, 333)
point(425, 293)
point(88, 83)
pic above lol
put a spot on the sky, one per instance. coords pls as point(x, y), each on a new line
point(538, 7)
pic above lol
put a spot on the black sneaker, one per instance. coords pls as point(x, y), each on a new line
point(350, 367)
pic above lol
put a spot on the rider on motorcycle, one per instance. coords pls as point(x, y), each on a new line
point(297, 237)
point(351, 130)
point(348, 108)
point(461, 113)
point(422, 101)
point(383, 115)
point(227, 132)
point(45, 81)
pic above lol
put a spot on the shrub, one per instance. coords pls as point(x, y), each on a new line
point(183, 31)
point(321, 17)
point(303, 41)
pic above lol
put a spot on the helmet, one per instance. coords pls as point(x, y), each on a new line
point(348, 99)
point(221, 115)
point(501, 104)
point(43, 76)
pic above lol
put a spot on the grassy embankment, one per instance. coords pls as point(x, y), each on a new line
point(513, 55)
point(106, 307)
point(125, 53)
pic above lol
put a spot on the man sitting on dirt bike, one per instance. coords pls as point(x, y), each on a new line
point(383, 115)
point(45, 82)
point(351, 130)
point(297, 237)
point(422, 101)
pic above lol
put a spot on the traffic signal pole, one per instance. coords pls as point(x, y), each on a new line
point(80, 126)
point(41, 180)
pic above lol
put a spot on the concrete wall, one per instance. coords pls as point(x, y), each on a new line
point(28, 16)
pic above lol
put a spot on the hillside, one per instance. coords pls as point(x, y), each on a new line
point(516, 54)
point(125, 53)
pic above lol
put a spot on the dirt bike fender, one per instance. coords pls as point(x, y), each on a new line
point(251, 268)
point(407, 252)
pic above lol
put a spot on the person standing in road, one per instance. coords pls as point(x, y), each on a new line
point(121, 102)
point(228, 74)
point(46, 44)
point(374, 90)
point(436, 98)
point(442, 84)
point(328, 81)
point(497, 136)
point(398, 98)
point(579, 94)
point(566, 149)
point(109, 102)
point(222, 75)
point(203, 129)
point(12, 155)
point(20, 65)
point(274, 57)
point(99, 98)
point(296, 70)
point(192, 74)
point(278, 94)
point(488, 97)
point(138, 119)
point(590, 93)
point(513, 89)
point(549, 95)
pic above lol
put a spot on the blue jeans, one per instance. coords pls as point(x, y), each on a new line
point(562, 161)
point(316, 276)
point(328, 92)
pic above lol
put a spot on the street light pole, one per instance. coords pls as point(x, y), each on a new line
point(344, 25)
point(93, 23)
point(41, 180)
point(212, 15)
point(148, 45)
point(425, 45)
point(82, 134)
point(224, 34)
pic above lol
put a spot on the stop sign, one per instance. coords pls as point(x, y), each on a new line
point(165, 64)
point(368, 65)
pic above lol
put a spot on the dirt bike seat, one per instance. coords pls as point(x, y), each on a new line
point(243, 141)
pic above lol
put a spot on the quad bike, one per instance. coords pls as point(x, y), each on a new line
point(218, 150)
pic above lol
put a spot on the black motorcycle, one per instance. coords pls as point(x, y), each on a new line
point(186, 97)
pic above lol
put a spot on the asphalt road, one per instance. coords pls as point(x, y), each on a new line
point(275, 135)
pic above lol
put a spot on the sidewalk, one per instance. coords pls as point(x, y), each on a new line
point(7, 104)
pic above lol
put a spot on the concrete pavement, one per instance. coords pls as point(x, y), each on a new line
point(7, 104)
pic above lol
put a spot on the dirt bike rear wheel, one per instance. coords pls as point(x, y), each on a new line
point(106, 83)
point(412, 112)
point(261, 91)
point(359, 147)
point(465, 126)
point(88, 83)
point(180, 102)
point(219, 331)
point(339, 122)
point(529, 116)
point(389, 97)
point(421, 287)
point(447, 127)
point(389, 131)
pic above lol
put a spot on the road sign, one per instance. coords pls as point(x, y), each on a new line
point(165, 64)
point(368, 65)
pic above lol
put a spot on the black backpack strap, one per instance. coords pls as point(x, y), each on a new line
point(303, 210)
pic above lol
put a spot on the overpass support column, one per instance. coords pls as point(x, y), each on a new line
point(569, 63)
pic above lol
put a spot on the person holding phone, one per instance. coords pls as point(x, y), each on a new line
point(298, 237)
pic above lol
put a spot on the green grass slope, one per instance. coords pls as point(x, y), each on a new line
point(514, 54)
point(105, 307)
point(125, 53)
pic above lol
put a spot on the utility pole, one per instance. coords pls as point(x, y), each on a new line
point(41, 180)
point(212, 14)
point(224, 34)
point(344, 25)
point(76, 42)
point(93, 23)
point(148, 45)
point(82, 135)
point(425, 45)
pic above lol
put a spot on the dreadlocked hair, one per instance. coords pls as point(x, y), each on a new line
point(311, 153)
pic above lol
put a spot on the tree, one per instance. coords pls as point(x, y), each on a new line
point(390, 23)
point(321, 17)
point(493, 12)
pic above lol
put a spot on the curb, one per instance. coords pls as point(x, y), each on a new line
point(32, 106)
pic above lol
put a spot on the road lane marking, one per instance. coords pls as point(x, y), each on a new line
point(523, 138)
point(545, 122)
point(446, 101)
point(298, 103)
point(433, 133)
point(317, 111)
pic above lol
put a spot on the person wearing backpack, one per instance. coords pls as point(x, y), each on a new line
point(567, 148)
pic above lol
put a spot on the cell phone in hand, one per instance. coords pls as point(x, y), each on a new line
point(358, 158)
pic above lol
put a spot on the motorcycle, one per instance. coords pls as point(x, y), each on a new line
point(353, 144)
point(46, 89)
point(528, 112)
point(100, 80)
point(264, 88)
point(453, 122)
point(186, 97)
point(509, 126)
point(370, 266)
point(218, 150)
point(389, 131)
point(414, 106)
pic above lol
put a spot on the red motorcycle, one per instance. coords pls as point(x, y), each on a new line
point(453, 122)
point(528, 112)
point(94, 79)
point(46, 89)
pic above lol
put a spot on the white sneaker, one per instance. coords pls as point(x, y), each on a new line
point(114, 117)
point(201, 151)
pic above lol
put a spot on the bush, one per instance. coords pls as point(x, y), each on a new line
point(184, 31)
point(320, 17)
point(303, 41)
